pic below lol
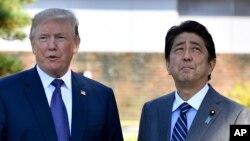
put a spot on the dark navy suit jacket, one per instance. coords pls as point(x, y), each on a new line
point(155, 123)
point(25, 114)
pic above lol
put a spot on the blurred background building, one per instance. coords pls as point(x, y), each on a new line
point(122, 45)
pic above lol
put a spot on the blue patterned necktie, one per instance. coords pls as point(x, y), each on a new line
point(180, 128)
point(59, 112)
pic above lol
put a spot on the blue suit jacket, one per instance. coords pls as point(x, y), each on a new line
point(155, 123)
point(25, 114)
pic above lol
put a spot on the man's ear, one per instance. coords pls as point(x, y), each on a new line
point(212, 64)
point(32, 47)
point(77, 44)
point(168, 67)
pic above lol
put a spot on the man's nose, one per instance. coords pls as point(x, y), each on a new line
point(187, 55)
point(52, 44)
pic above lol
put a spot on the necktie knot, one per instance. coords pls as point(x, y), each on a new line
point(57, 83)
point(184, 107)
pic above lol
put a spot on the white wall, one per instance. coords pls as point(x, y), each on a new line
point(138, 26)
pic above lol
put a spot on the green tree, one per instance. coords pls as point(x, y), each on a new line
point(240, 92)
point(9, 65)
point(13, 19)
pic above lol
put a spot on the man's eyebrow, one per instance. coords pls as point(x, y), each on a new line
point(183, 42)
point(180, 43)
point(60, 34)
point(195, 43)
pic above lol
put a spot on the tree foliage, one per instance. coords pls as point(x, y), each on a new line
point(9, 65)
point(240, 93)
point(13, 19)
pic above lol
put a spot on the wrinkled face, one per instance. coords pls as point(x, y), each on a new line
point(54, 46)
point(188, 60)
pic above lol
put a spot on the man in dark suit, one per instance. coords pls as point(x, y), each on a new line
point(195, 111)
point(87, 109)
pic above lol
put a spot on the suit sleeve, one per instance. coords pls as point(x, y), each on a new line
point(142, 132)
point(2, 121)
point(114, 126)
point(244, 117)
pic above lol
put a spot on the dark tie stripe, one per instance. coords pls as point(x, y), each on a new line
point(180, 128)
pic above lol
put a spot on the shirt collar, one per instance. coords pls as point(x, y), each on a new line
point(194, 101)
point(47, 79)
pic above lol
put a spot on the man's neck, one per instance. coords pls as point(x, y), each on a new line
point(187, 90)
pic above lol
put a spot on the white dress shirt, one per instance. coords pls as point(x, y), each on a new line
point(194, 101)
point(66, 89)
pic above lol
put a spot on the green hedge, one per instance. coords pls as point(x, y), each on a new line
point(241, 93)
point(9, 65)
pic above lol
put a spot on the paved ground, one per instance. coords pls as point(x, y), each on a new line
point(130, 131)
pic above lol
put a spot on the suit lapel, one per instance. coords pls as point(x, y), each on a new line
point(164, 118)
point(37, 98)
point(80, 96)
point(204, 118)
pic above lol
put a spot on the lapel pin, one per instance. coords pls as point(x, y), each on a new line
point(83, 93)
point(212, 112)
point(208, 120)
